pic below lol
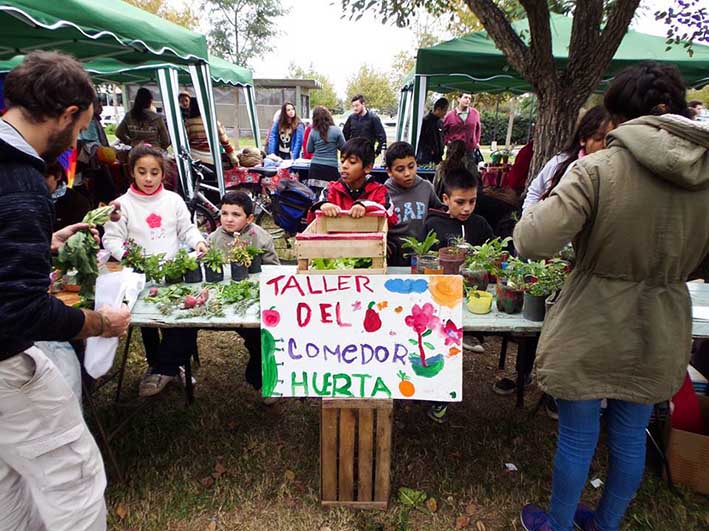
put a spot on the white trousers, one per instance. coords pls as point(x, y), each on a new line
point(51, 472)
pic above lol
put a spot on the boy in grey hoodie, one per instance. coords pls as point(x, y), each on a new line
point(237, 216)
point(411, 196)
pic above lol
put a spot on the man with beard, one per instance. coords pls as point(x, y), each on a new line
point(51, 472)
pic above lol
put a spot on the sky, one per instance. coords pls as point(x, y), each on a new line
point(314, 32)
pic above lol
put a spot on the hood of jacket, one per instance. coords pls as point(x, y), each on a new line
point(672, 147)
point(14, 148)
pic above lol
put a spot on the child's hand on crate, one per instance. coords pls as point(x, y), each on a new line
point(357, 211)
point(330, 210)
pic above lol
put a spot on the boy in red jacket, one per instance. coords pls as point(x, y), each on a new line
point(356, 191)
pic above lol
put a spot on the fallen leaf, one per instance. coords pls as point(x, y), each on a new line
point(290, 475)
point(121, 510)
point(471, 509)
point(219, 468)
point(432, 505)
point(462, 522)
point(480, 526)
point(212, 526)
point(207, 482)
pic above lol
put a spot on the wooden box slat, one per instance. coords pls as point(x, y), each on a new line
point(355, 461)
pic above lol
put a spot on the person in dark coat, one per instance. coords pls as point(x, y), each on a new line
point(431, 145)
point(365, 123)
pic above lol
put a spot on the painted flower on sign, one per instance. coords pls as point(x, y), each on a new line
point(451, 333)
point(422, 317)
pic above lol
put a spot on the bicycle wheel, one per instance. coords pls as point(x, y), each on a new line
point(205, 221)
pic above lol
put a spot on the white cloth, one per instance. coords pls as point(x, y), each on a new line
point(540, 184)
point(158, 223)
point(111, 289)
point(51, 472)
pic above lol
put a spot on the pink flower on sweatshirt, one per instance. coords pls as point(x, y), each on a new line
point(154, 221)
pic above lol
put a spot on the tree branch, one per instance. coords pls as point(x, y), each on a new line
point(542, 60)
point(505, 38)
point(585, 31)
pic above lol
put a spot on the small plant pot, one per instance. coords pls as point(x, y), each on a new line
point(428, 264)
point(479, 302)
point(509, 300)
point(173, 280)
point(451, 258)
point(534, 307)
point(475, 278)
point(239, 271)
point(192, 277)
point(213, 276)
point(255, 266)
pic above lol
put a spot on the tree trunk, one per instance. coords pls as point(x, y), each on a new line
point(557, 114)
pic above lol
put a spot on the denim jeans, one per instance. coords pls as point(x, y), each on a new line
point(579, 426)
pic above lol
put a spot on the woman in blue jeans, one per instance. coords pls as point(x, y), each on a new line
point(637, 215)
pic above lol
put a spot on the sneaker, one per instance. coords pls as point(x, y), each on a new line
point(583, 518)
point(153, 383)
point(551, 407)
point(506, 386)
point(534, 518)
point(182, 378)
point(437, 413)
point(477, 348)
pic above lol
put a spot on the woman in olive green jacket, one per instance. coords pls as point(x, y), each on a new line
point(638, 217)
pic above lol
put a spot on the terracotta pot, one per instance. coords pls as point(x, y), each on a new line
point(475, 278)
point(509, 300)
point(534, 307)
point(213, 276)
point(451, 258)
point(239, 272)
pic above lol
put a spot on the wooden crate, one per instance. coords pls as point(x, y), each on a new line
point(344, 237)
point(355, 453)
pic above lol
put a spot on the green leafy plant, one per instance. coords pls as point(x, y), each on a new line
point(254, 251)
point(79, 252)
point(189, 263)
point(241, 295)
point(172, 270)
point(133, 256)
point(545, 277)
point(214, 259)
point(488, 256)
point(513, 273)
point(420, 247)
point(326, 264)
point(153, 268)
point(239, 253)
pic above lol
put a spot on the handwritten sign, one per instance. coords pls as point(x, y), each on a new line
point(359, 336)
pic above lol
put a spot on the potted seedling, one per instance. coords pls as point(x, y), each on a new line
point(453, 256)
point(133, 256)
point(510, 286)
point(193, 270)
point(543, 278)
point(478, 301)
point(256, 258)
point(173, 271)
point(491, 255)
point(213, 261)
point(153, 268)
point(419, 248)
point(239, 259)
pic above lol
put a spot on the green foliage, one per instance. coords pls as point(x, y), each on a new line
point(184, 17)
point(214, 259)
point(488, 256)
point(325, 96)
point(133, 256)
point(241, 295)
point(420, 247)
point(110, 129)
point(376, 88)
point(173, 270)
point(325, 264)
point(538, 278)
point(496, 128)
point(187, 262)
point(242, 30)
point(152, 267)
point(79, 253)
point(239, 253)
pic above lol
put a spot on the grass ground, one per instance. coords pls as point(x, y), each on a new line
point(230, 463)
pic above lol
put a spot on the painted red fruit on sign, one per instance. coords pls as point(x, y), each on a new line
point(372, 321)
point(271, 317)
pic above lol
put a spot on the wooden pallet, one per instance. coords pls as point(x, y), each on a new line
point(355, 453)
point(344, 237)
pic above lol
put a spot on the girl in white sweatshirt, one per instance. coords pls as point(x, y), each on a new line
point(157, 220)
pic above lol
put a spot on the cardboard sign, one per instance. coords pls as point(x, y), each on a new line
point(359, 336)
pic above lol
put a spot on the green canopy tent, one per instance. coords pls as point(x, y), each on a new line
point(473, 63)
point(92, 29)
